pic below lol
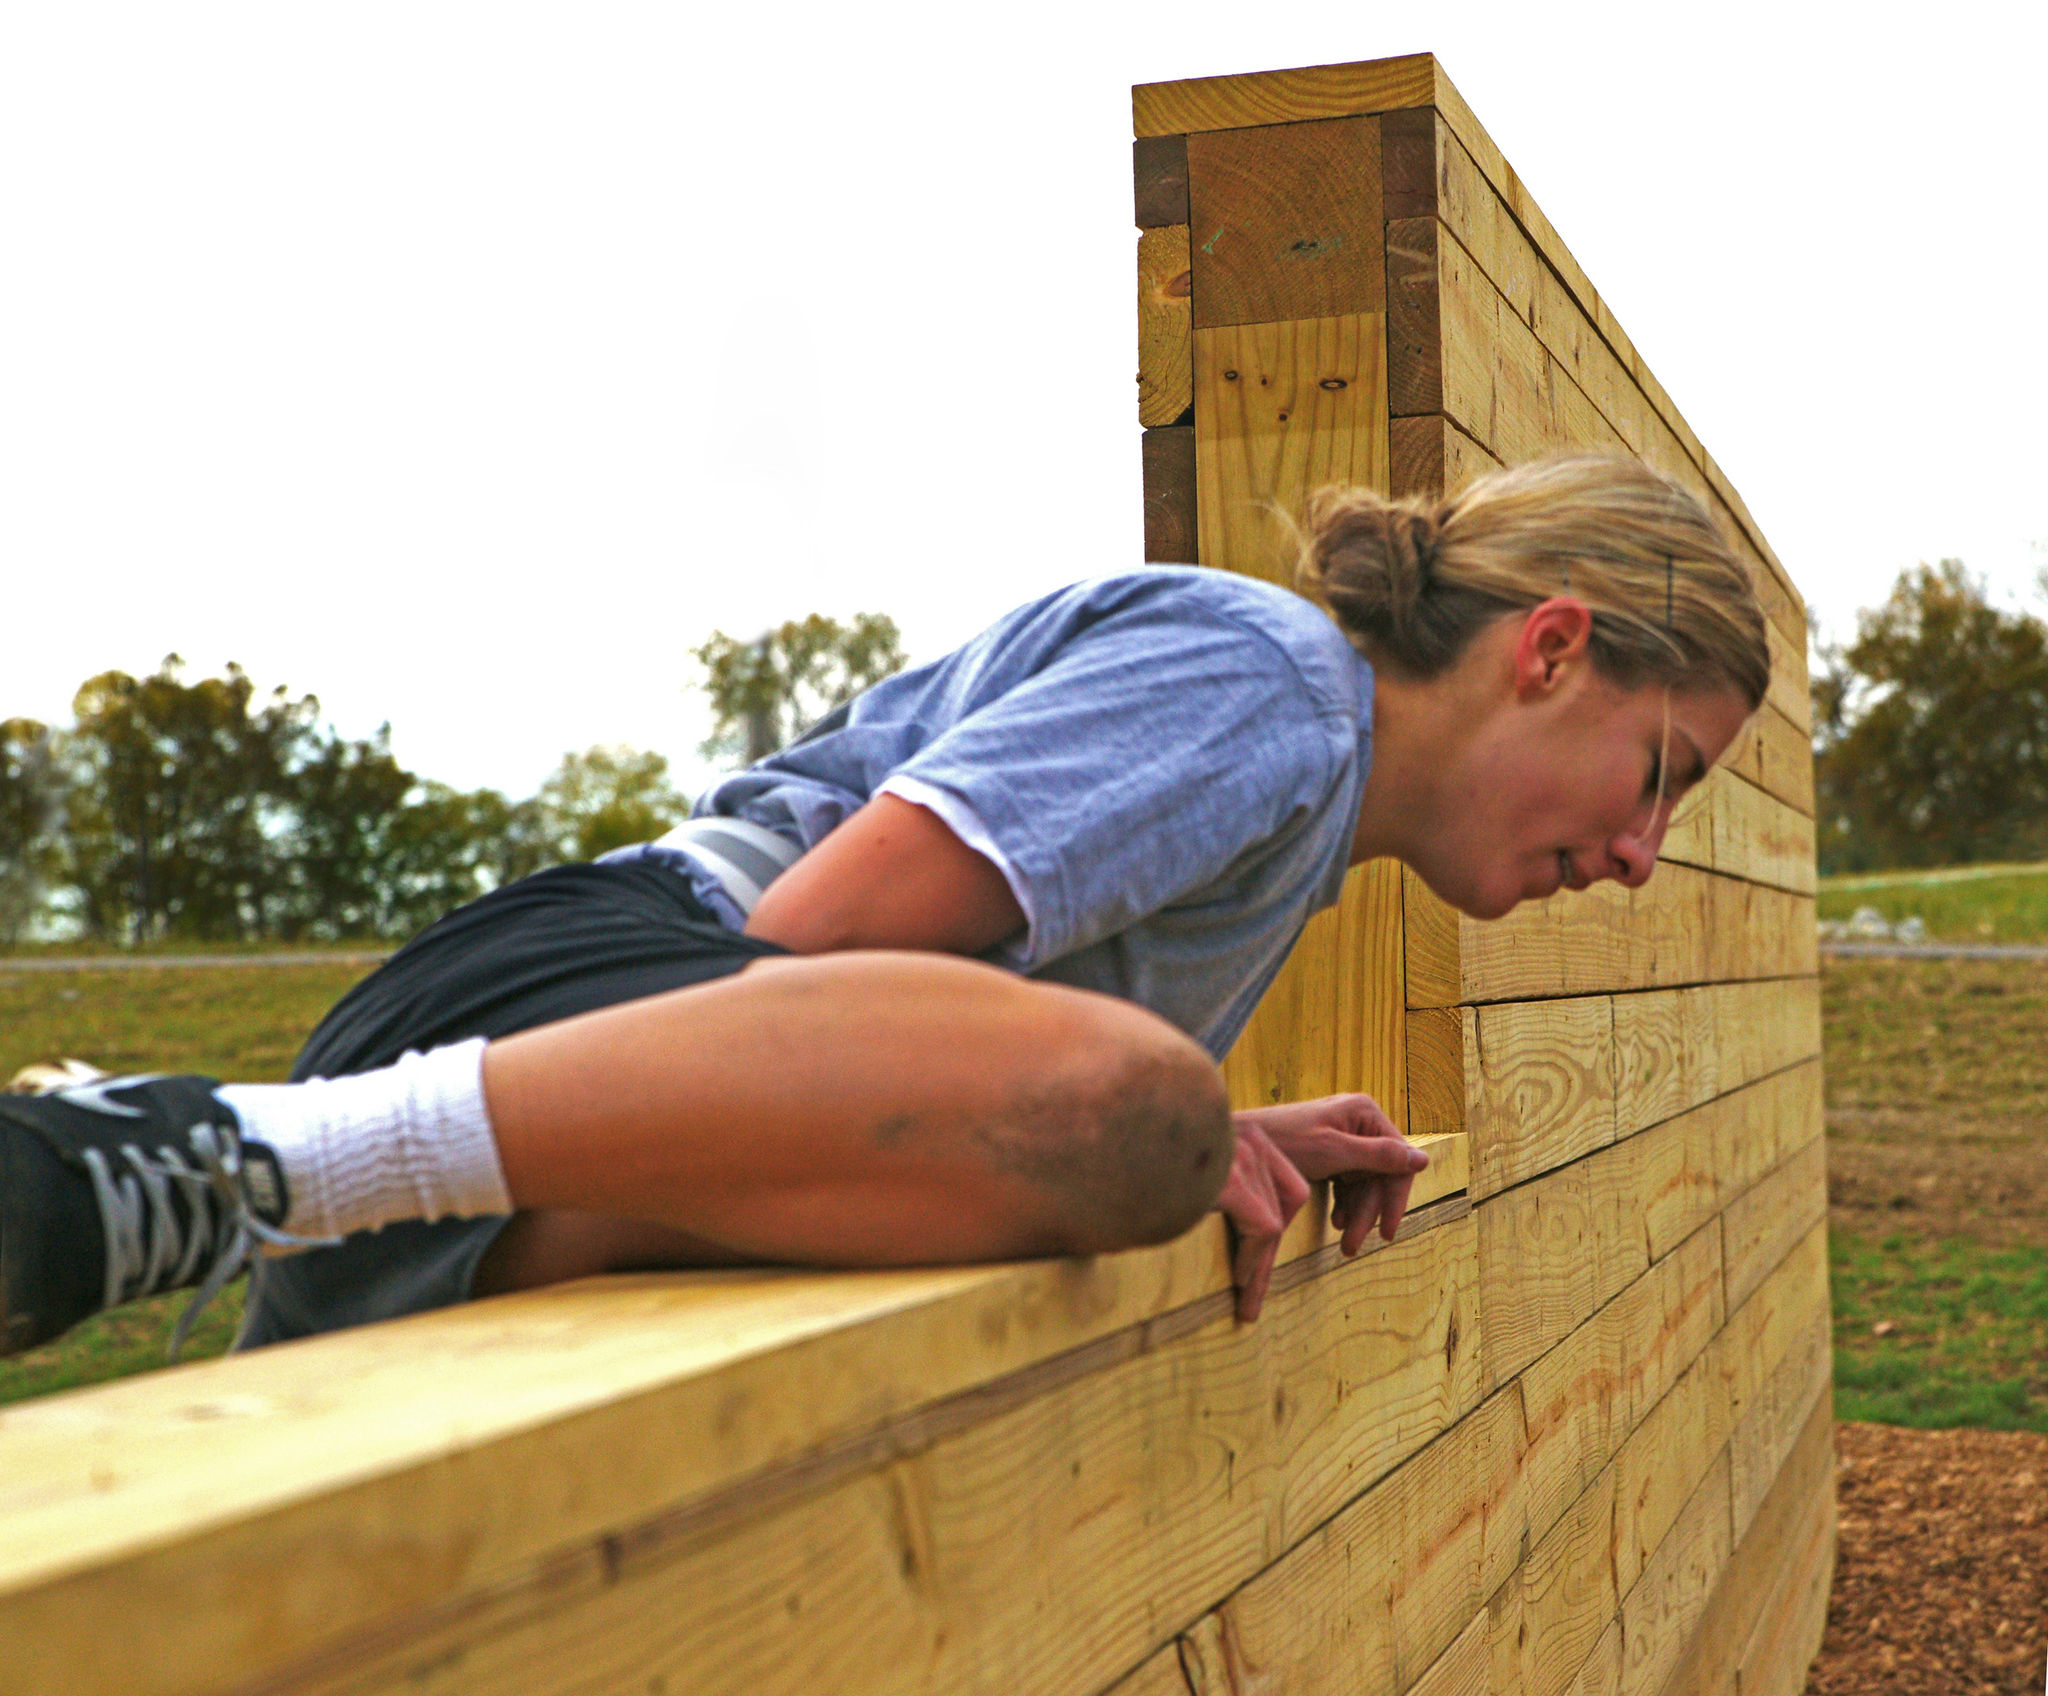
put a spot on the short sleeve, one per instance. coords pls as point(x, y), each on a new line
point(1150, 754)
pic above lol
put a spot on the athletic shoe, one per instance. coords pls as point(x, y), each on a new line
point(119, 1188)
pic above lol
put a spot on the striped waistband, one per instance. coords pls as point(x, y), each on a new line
point(745, 857)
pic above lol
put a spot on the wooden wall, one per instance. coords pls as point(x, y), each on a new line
point(1569, 1433)
point(1339, 276)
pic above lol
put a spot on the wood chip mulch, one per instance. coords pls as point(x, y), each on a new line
point(1941, 1565)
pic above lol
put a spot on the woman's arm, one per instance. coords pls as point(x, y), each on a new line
point(892, 876)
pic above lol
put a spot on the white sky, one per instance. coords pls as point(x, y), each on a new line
point(465, 364)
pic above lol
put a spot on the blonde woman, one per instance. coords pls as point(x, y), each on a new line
point(948, 978)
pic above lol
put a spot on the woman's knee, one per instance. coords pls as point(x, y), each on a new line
point(1133, 1142)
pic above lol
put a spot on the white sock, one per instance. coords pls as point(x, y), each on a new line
point(410, 1141)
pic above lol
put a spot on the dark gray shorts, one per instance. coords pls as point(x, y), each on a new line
point(553, 945)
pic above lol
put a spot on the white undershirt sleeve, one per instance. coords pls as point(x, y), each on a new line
point(964, 822)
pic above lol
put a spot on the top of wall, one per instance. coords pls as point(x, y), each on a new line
point(1392, 85)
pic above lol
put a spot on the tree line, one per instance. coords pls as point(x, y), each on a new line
point(199, 809)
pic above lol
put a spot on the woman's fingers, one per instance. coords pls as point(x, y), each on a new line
point(1321, 1152)
point(1263, 1194)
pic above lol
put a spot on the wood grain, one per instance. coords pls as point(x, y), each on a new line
point(1408, 157)
point(1159, 179)
point(1286, 222)
point(1168, 459)
point(1280, 411)
point(1661, 1615)
point(1283, 97)
point(1684, 926)
point(1174, 1476)
point(1730, 825)
point(1166, 383)
point(1763, 1574)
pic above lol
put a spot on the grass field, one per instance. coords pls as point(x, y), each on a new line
point(1938, 1163)
point(231, 1022)
point(1963, 904)
point(1937, 1086)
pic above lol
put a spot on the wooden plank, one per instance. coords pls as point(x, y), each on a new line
point(1774, 1417)
point(1559, 1605)
point(1169, 470)
point(1283, 97)
point(1434, 949)
point(1540, 1082)
point(1678, 1048)
point(1167, 1480)
point(1281, 410)
point(1166, 380)
point(1408, 163)
point(1539, 1086)
point(1681, 1441)
point(1465, 1668)
point(1782, 1647)
point(1662, 1614)
point(1287, 1050)
point(1762, 1226)
point(1731, 826)
point(360, 1457)
point(1790, 691)
point(1158, 1674)
point(1370, 998)
point(1684, 926)
point(1437, 1538)
point(1415, 342)
point(1159, 179)
point(1553, 1252)
point(1287, 222)
point(1755, 1582)
point(1582, 1399)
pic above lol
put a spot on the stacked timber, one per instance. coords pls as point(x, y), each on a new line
point(1340, 278)
point(1568, 1433)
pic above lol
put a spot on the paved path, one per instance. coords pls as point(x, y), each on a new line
point(1935, 950)
point(151, 962)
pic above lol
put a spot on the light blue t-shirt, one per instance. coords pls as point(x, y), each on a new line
point(1167, 765)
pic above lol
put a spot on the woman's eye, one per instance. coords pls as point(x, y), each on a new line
point(1654, 783)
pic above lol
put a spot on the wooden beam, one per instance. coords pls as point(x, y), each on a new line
point(1169, 473)
point(1761, 1226)
point(1684, 926)
point(1286, 222)
point(1553, 1252)
point(1159, 177)
point(1765, 1570)
point(1729, 825)
point(1280, 410)
point(1283, 97)
point(1582, 1399)
point(1437, 1537)
point(1660, 1616)
point(361, 1457)
point(1166, 384)
point(1776, 1413)
point(962, 1556)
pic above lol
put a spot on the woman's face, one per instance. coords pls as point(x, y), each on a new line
point(1559, 786)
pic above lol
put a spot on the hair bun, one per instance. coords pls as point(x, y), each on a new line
point(1370, 559)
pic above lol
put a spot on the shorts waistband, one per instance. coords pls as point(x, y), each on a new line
point(745, 857)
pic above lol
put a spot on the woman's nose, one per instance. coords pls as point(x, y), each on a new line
point(1635, 857)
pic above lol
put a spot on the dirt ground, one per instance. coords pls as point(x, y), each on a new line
point(1941, 1567)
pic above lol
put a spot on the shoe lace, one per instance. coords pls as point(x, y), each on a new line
point(150, 1248)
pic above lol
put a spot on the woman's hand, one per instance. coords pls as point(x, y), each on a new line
point(1282, 1150)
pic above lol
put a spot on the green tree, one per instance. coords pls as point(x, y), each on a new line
point(606, 798)
point(179, 812)
point(768, 691)
point(1931, 730)
point(346, 799)
point(31, 804)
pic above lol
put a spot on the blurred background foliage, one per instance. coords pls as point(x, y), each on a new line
point(174, 809)
point(1931, 730)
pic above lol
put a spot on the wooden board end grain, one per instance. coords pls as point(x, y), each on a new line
point(1159, 179)
point(1165, 376)
point(1286, 222)
point(1168, 464)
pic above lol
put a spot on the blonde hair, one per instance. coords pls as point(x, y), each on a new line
point(1413, 581)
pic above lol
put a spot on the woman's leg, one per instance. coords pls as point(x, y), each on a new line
point(859, 1109)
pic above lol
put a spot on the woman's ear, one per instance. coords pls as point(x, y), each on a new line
point(1554, 637)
